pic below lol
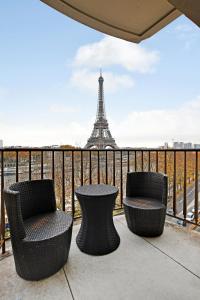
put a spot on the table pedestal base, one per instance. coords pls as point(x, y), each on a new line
point(97, 241)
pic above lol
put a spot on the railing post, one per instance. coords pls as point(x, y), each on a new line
point(2, 206)
point(156, 161)
point(174, 185)
point(73, 204)
point(63, 180)
point(142, 161)
point(128, 161)
point(81, 167)
point(98, 168)
point(106, 167)
point(17, 166)
point(41, 166)
point(113, 167)
point(135, 161)
point(196, 203)
point(185, 188)
point(121, 179)
point(53, 164)
point(29, 163)
point(90, 165)
point(165, 163)
point(149, 160)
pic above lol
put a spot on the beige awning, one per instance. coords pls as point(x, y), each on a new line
point(191, 8)
point(132, 20)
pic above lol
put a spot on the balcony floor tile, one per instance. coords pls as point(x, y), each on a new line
point(160, 268)
point(136, 270)
point(12, 287)
point(180, 244)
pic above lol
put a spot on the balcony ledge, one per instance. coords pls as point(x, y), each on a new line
point(165, 267)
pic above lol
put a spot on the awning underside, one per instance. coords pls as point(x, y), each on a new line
point(132, 20)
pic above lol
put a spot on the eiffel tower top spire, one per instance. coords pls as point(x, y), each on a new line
point(101, 136)
point(101, 106)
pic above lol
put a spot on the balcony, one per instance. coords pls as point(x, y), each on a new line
point(165, 267)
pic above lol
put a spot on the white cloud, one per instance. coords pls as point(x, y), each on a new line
point(153, 128)
point(112, 51)
point(143, 128)
point(52, 134)
point(149, 128)
point(86, 79)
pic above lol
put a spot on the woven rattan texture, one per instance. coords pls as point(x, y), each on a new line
point(143, 202)
point(97, 235)
point(36, 196)
point(146, 202)
point(97, 190)
point(40, 243)
point(46, 226)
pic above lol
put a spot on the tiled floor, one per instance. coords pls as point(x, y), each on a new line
point(167, 267)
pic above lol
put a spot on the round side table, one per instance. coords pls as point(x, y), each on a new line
point(97, 235)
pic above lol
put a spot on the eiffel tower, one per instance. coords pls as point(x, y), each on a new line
point(101, 137)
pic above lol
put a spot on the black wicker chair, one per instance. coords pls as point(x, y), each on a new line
point(146, 202)
point(40, 234)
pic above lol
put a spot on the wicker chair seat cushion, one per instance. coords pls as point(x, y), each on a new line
point(46, 226)
point(143, 203)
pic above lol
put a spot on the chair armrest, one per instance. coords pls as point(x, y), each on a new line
point(13, 207)
point(165, 190)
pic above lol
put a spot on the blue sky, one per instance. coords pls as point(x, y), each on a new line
point(49, 68)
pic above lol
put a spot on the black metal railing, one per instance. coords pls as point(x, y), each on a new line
point(73, 167)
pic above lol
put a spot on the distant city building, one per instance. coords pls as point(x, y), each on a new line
point(187, 145)
point(166, 146)
point(181, 145)
point(1, 143)
point(178, 145)
point(196, 146)
point(101, 137)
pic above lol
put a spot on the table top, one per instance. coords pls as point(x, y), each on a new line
point(96, 190)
